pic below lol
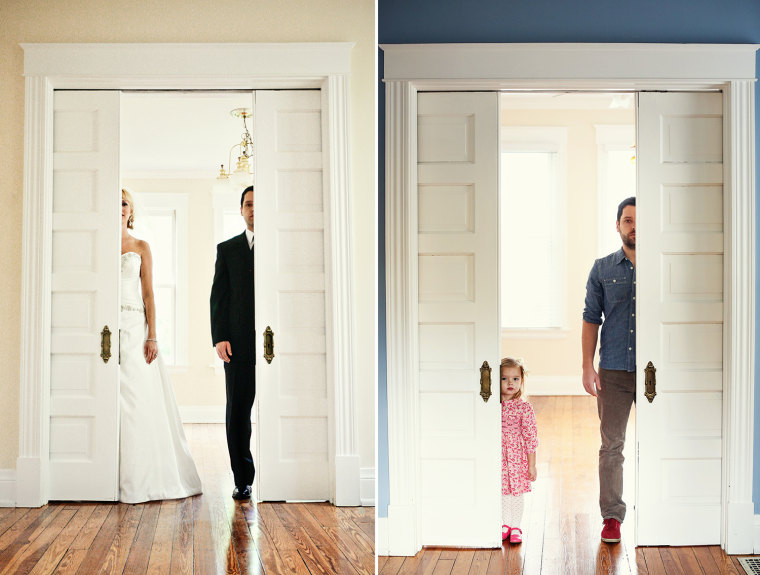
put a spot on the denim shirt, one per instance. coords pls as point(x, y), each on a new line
point(611, 292)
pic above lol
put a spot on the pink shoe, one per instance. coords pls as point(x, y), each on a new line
point(504, 532)
point(611, 531)
point(515, 535)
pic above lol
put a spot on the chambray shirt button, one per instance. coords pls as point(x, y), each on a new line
point(631, 332)
point(614, 281)
point(629, 349)
point(633, 315)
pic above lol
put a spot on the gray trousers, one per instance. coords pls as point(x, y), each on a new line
point(613, 402)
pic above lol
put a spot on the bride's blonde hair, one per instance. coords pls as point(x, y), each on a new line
point(519, 363)
point(126, 196)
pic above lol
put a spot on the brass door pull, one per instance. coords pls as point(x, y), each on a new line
point(105, 344)
point(650, 382)
point(485, 381)
point(268, 344)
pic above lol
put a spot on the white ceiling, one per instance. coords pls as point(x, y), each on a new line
point(179, 134)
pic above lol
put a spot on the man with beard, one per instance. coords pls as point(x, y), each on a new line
point(611, 293)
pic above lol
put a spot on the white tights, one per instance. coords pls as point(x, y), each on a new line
point(512, 510)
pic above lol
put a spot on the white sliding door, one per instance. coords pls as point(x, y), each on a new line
point(460, 441)
point(680, 317)
point(84, 387)
point(292, 390)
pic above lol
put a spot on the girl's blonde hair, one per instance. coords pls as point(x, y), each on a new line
point(126, 196)
point(515, 362)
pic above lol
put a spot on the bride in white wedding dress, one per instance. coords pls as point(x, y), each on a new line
point(154, 458)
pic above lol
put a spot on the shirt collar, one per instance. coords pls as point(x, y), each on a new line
point(620, 256)
point(249, 237)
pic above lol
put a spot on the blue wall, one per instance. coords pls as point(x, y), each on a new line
point(451, 21)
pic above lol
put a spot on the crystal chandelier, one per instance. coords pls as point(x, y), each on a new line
point(244, 153)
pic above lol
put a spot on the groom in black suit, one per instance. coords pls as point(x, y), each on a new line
point(232, 331)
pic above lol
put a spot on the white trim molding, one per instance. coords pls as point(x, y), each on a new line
point(367, 475)
point(7, 487)
point(381, 536)
point(756, 535)
point(48, 67)
point(410, 69)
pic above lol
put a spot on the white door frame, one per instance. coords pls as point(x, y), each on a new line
point(49, 67)
point(410, 69)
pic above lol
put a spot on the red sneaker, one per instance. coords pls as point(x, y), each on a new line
point(504, 532)
point(515, 535)
point(611, 530)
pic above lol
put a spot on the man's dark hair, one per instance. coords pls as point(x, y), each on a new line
point(626, 202)
point(250, 189)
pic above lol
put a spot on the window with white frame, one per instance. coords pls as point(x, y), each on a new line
point(616, 161)
point(532, 228)
point(161, 220)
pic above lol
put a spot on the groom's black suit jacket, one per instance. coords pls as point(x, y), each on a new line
point(232, 299)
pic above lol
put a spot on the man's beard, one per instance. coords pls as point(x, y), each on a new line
point(628, 242)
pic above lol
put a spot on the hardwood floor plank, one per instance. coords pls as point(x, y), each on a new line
point(688, 560)
point(246, 553)
point(391, 565)
point(11, 517)
point(70, 562)
point(55, 553)
point(497, 563)
point(98, 550)
point(315, 546)
point(285, 545)
point(705, 559)
point(344, 532)
point(479, 564)
point(670, 561)
point(724, 562)
point(641, 563)
point(203, 547)
point(92, 527)
point(161, 549)
point(29, 554)
point(463, 562)
point(31, 518)
point(655, 565)
point(443, 567)
point(139, 553)
point(117, 554)
point(182, 544)
point(265, 547)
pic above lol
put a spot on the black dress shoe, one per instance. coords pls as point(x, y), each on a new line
point(243, 492)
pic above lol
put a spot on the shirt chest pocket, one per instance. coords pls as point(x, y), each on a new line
point(616, 289)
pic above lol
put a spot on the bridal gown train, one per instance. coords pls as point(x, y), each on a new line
point(154, 458)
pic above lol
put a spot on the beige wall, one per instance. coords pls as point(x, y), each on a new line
point(175, 21)
point(561, 357)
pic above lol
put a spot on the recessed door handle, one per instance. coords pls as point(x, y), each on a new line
point(485, 381)
point(268, 344)
point(650, 382)
point(105, 344)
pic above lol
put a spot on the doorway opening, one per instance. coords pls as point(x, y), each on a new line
point(567, 159)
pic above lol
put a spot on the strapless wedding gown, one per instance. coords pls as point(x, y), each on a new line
point(154, 458)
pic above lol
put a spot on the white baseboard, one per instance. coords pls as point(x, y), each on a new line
point(347, 481)
point(7, 487)
point(381, 536)
point(367, 486)
point(202, 413)
point(554, 385)
point(756, 534)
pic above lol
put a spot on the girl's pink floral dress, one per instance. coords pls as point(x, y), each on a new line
point(519, 436)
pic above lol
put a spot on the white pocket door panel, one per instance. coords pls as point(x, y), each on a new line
point(680, 317)
point(457, 153)
point(84, 389)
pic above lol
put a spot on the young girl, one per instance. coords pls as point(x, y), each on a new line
point(519, 440)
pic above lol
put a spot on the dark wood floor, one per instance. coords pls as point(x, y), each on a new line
point(562, 524)
point(206, 534)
